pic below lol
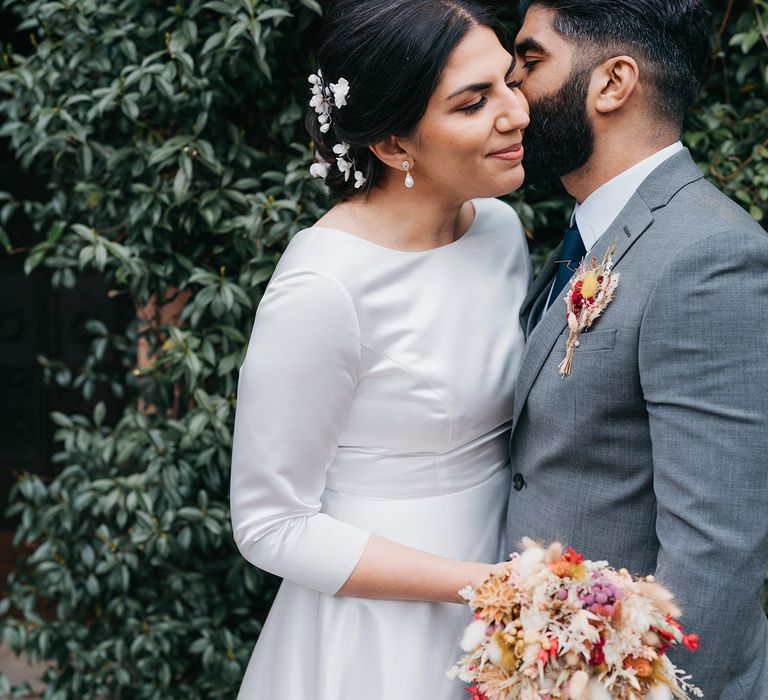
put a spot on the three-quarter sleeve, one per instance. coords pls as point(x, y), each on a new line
point(295, 390)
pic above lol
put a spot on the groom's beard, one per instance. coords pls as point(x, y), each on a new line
point(559, 138)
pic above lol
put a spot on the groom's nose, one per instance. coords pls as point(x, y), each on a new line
point(518, 73)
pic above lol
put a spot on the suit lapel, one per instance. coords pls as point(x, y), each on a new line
point(531, 308)
point(537, 310)
point(636, 217)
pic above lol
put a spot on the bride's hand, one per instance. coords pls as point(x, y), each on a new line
point(501, 568)
point(484, 571)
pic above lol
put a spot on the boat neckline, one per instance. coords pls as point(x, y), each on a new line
point(354, 236)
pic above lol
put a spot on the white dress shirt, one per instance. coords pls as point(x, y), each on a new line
point(597, 212)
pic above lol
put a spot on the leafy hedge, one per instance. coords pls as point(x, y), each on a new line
point(170, 141)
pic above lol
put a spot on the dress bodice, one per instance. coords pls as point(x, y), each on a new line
point(440, 347)
point(377, 372)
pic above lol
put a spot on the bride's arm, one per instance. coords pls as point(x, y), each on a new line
point(391, 570)
point(296, 386)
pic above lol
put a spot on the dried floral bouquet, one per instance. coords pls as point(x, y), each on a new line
point(551, 625)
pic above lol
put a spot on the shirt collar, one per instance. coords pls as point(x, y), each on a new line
point(597, 212)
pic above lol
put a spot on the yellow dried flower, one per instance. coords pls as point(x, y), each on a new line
point(589, 286)
point(510, 658)
point(579, 572)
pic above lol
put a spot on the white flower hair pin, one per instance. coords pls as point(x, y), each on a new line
point(321, 168)
point(321, 103)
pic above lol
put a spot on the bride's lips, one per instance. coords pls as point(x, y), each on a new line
point(514, 152)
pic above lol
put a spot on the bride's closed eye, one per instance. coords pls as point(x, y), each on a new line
point(476, 106)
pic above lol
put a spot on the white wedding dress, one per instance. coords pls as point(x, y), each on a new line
point(375, 397)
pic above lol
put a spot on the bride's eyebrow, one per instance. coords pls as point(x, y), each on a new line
point(479, 87)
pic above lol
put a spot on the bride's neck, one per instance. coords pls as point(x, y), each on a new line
point(400, 218)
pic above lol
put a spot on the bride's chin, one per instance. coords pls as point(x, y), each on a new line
point(511, 183)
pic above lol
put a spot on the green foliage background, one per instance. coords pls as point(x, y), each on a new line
point(170, 141)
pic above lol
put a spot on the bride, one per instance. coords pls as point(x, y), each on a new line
point(370, 465)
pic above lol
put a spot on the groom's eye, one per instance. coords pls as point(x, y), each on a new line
point(514, 84)
point(529, 64)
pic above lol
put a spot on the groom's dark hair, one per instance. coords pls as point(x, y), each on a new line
point(668, 38)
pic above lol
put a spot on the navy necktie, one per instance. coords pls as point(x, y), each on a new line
point(572, 252)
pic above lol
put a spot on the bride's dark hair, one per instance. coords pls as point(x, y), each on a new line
point(393, 53)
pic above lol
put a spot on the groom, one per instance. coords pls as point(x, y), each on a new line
point(653, 452)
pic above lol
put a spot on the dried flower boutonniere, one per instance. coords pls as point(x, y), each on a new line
point(591, 291)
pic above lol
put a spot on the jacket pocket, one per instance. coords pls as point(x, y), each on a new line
point(597, 340)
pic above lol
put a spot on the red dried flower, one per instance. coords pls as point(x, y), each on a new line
point(691, 642)
point(573, 556)
point(598, 658)
point(476, 694)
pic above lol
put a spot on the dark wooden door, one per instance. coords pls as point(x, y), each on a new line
point(37, 319)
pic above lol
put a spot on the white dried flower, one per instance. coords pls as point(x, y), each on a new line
point(659, 692)
point(597, 691)
point(473, 635)
point(340, 91)
point(344, 167)
point(659, 595)
point(467, 593)
point(531, 561)
point(577, 688)
point(639, 613)
point(320, 168)
point(359, 180)
point(317, 102)
point(341, 149)
point(494, 651)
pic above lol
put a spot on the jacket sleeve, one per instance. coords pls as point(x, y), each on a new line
point(294, 394)
point(704, 373)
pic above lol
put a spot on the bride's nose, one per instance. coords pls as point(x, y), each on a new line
point(515, 116)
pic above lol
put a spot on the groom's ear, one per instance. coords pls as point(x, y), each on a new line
point(392, 152)
point(616, 80)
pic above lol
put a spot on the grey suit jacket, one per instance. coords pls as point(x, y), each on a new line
point(653, 453)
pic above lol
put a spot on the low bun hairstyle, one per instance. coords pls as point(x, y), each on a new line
point(393, 53)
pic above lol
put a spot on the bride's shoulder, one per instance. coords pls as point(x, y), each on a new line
point(316, 252)
point(499, 218)
point(306, 247)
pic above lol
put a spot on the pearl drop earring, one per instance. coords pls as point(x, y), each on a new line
point(409, 183)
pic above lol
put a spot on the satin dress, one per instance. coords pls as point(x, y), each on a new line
point(375, 397)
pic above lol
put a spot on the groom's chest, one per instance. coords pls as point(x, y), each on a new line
point(604, 380)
